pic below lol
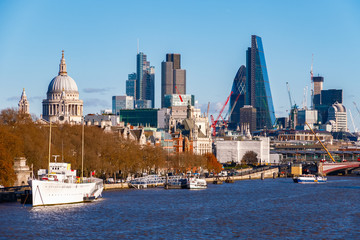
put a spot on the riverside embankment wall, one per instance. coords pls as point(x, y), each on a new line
point(269, 173)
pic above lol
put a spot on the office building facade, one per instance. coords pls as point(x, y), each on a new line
point(258, 93)
point(318, 86)
point(131, 85)
point(145, 79)
point(122, 102)
point(173, 78)
point(176, 100)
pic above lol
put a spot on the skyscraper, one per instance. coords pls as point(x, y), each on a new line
point(145, 79)
point(173, 78)
point(131, 85)
point(318, 86)
point(258, 93)
point(237, 99)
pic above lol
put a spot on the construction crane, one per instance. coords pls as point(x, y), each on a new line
point(357, 109)
point(232, 109)
point(207, 113)
point(293, 110)
point(214, 122)
point(304, 103)
point(352, 121)
point(320, 142)
point(288, 89)
point(177, 91)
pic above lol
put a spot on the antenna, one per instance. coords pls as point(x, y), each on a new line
point(312, 82)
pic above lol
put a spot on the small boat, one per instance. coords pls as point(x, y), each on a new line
point(194, 182)
point(309, 178)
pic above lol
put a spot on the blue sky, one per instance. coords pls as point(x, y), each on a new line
point(100, 43)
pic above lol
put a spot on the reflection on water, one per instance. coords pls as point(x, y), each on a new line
point(252, 209)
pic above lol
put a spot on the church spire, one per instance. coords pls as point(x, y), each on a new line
point(62, 69)
point(23, 103)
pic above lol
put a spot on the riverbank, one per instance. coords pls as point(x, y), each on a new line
point(269, 173)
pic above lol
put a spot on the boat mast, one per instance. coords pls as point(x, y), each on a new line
point(49, 151)
point(82, 152)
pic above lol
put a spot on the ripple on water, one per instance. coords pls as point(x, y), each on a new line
point(269, 209)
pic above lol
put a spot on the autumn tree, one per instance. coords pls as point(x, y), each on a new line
point(212, 163)
point(10, 147)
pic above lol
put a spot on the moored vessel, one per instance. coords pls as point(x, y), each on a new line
point(194, 182)
point(309, 178)
point(61, 186)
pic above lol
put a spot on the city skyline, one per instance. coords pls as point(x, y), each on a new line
point(102, 52)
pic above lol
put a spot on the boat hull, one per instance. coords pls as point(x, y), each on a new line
point(53, 192)
point(196, 183)
point(306, 180)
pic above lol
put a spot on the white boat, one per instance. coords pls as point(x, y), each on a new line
point(309, 178)
point(194, 182)
point(61, 186)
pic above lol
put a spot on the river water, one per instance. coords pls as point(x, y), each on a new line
point(250, 209)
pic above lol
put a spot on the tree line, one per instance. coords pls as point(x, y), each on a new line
point(106, 153)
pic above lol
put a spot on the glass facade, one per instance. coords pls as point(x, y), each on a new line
point(145, 79)
point(237, 99)
point(131, 85)
point(173, 100)
point(258, 85)
point(122, 102)
point(139, 117)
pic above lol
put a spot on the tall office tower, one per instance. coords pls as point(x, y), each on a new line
point(131, 85)
point(258, 93)
point(248, 118)
point(149, 86)
point(173, 78)
point(237, 99)
point(145, 79)
point(318, 86)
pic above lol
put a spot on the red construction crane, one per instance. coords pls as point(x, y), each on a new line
point(232, 109)
point(177, 91)
point(217, 119)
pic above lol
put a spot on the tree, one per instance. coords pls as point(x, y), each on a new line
point(212, 163)
point(10, 147)
point(250, 157)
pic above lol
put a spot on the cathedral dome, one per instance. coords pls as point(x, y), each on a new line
point(62, 82)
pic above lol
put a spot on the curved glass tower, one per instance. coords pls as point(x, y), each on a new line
point(258, 85)
point(238, 89)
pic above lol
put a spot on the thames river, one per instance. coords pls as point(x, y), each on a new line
point(251, 209)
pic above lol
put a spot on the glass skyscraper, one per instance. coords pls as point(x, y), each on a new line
point(131, 85)
point(145, 79)
point(258, 93)
point(238, 89)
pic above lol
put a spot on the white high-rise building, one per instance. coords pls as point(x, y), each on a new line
point(337, 117)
